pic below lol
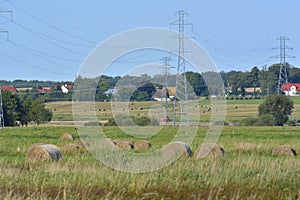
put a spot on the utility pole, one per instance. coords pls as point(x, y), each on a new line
point(1, 103)
point(1, 112)
point(181, 92)
point(283, 76)
point(166, 72)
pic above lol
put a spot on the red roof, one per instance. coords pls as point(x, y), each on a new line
point(9, 88)
point(287, 87)
point(69, 87)
point(43, 90)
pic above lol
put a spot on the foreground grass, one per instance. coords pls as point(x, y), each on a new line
point(248, 174)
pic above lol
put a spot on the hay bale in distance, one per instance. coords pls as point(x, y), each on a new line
point(177, 149)
point(67, 136)
point(112, 141)
point(43, 153)
point(70, 148)
point(246, 146)
point(284, 150)
point(82, 143)
point(209, 151)
point(125, 144)
point(142, 144)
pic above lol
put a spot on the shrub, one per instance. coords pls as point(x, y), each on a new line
point(249, 121)
point(124, 120)
point(111, 122)
point(280, 107)
point(266, 120)
point(291, 123)
point(92, 124)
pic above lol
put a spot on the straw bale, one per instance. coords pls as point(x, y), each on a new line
point(284, 150)
point(43, 153)
point(209, 151)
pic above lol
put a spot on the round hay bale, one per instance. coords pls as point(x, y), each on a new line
point(177, 149)
point(43, 153)
point(67, 136)
point(142, 144)
point(70, 148)
point(246, 146)
point(108, 143)
point(284, 150)
point(209, 151)
point(112, 141)
point(125, 144)
point(82, 143)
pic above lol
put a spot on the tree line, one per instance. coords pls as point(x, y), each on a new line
point(22, 111)
point(144, 86)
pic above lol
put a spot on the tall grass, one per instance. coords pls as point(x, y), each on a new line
point(248, 174)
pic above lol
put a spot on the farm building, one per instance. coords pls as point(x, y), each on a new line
point(111, 91)
point(43, 90)
point(66, 88)
point(291, 89)
point(160, 95)
point(9, 88)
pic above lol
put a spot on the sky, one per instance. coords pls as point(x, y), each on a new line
point(49, 40)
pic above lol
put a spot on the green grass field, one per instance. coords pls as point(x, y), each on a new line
point(241, 174)
point(248, 174)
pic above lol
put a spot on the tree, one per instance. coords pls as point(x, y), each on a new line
point(255, 78)
point(38, 113)
point(10, 105)
point(143, 93)
point(279, 106)
point(263, 80)
point(197, 83)
point(24, 112)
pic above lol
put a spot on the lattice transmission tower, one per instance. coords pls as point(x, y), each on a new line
point(1, 102)
point(166, 72)
point(1, 112)
point(283, 75)
point(181, 93)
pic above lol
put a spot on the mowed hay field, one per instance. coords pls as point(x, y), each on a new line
point(236, 110)
point(245, 172)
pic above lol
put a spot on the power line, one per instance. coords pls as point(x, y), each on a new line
point(31, 65)
point(50, 25)
point(40, 57)
point(45, 39)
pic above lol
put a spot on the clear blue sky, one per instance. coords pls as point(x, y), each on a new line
point(48, 40)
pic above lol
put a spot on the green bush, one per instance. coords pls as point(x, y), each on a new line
point(291, 123)
point(124, 120)
point(265, 120)
point(249, 121)
point(111, 122)
point(92, 124)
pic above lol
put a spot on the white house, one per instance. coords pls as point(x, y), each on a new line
point(291, 89)
point(66, 88)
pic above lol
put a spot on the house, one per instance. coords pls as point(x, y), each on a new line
point(43, 90)
point(9, 88)
point(172, 92)
point(111, 91)
point(291, 89)
point(160, 95)
point(66, 88)
point(252, 89)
